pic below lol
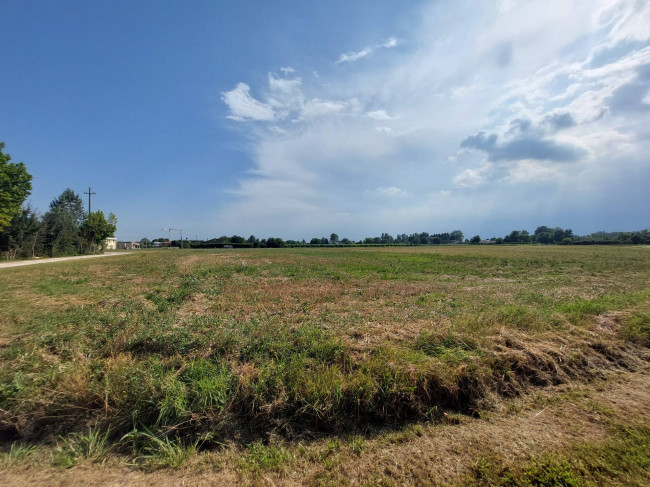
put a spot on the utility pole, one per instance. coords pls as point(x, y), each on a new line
point(169, 234)
point(181, 230)
point(89, 193)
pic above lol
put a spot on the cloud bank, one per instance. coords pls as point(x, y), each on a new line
point(527, 114)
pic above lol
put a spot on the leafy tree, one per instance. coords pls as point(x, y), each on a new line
point(517, 236)
point(334, 238)
point(444, 238)
point(558, 234)
point(15, 186)
point(21, 236)
point(96, 228)
point(475, 239)
point(62, 223)
point(274, 242)
point(456, 236)
point(145, 243)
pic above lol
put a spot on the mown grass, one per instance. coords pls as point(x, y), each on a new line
point(622, 459)
point(189, 349)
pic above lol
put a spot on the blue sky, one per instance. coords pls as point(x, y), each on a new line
point(299, 119)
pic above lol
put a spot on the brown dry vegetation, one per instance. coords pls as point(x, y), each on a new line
point(542, 423)
point(347, 366)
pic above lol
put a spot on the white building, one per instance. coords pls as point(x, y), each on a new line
point(110, 243)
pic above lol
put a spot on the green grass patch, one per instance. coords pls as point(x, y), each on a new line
point(260, 457)
point(623, 459)
point(636, 327)
point(578, 310)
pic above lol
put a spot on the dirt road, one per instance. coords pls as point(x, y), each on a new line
point(58, 259)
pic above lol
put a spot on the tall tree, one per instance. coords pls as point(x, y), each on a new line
point(456, 236)
point(62, 224)
point(96, 228)
point(15, 186)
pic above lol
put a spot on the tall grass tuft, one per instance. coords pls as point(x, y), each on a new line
point(77, 447)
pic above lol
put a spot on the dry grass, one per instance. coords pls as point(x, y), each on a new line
point(556, 419)
point(350, 365)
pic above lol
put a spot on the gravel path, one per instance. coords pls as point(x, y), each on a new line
point(58, 259)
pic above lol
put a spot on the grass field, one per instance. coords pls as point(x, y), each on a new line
point(285, 365)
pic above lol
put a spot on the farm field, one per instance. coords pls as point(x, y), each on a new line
point(459, 365)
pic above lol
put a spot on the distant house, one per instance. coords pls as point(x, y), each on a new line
point(110, 243)
point(128, 245)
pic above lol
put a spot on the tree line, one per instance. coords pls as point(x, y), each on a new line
point(65, 229)
point(542, 235)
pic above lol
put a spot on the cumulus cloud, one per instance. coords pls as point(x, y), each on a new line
point(559, 120)
point(632, 96)
point(523, 147)
point(472, 178)
point(540, 112)
point(283, 102)
point(244, 107)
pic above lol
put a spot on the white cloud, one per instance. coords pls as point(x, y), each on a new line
point(391, 42)
point(317, 108)
point(380, 115)
point(627, 20)
point(284, 101)
point(348, 57)
point(472, 178)
point(528, 171)
point(352, 56)
point(244, 107)
point(284, 85)
point(288, 70)
point(391, 191)
point(552, 92)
